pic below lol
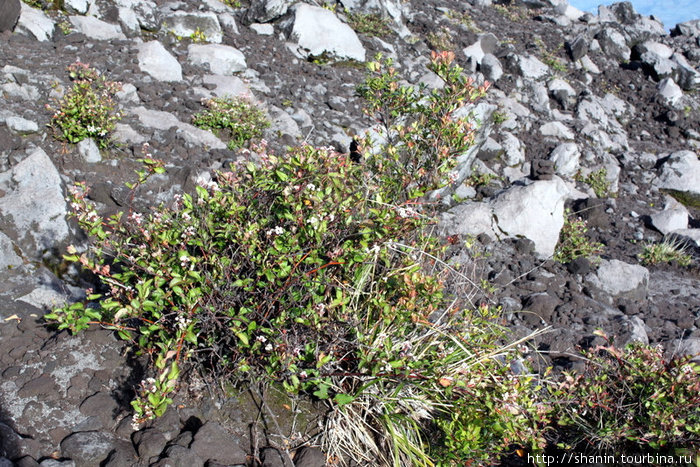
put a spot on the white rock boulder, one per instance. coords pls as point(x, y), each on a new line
point(34, 22)
point(187, 24)
point(163, 121)
point(155, 60)
point(96, 29)
point(681, 173)
point(620, 279)
point(530, 209)
point(319, 32)
point(32, 205)
point(220, 59)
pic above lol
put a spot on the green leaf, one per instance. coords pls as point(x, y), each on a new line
point(343, 399)
point(322, 391)
point(243, 338)
point(174, 372)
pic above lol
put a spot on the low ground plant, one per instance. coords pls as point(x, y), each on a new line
point(669, 250)
point(238, 118)
point(630, 399)
point(45, 4)
point(598, 182)
point(371, 24)
point(441, 40)
point(88, 109)
point(573, 242)
point(464, 19)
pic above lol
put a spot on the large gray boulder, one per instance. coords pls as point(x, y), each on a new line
point(684, 74)
point(527, 66)
point(220, 59)
point(669, 91)
point(76, 6)
point(614, 44)
point(491, 67)
point(160, 120)
point(185, 24)
point(213, 443)
point(146, 13)
point(566, 159)
point(97, 29)
point(223, 85)
point(620, 279)
point(534, 210)
point(318, 32)
point(32, 207)
point(262, 11)
point(8, 256)
point(89, 448)
point(9, 14)
point(34, 22)
point(680, 173)
point(129, 22)
point(155, 60)
point(530, 209)
point(689, 28)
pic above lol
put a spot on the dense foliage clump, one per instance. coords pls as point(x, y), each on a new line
point(88, 109)
point(321, 275)
point(239, 119)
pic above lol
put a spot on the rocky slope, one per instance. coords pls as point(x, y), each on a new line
point(571, 94)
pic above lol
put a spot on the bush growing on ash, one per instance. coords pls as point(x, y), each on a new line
point(310, 271)
point(88, 109)
point(321, 275)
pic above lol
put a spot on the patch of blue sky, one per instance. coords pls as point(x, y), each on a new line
point(670, 12)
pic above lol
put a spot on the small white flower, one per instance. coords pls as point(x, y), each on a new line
point(268, 347)
point(136, 217)
point(453, 176)
point(189, 232)
point(407, 212)
point(311, 186)
point(276, 231)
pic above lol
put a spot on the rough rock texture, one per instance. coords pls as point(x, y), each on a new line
point(155, 60)
point(318, 31)
point(9, 14)
point(32, 204)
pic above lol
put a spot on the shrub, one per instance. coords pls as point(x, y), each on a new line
point(88, 109)
point(422, 131)
point(320, 274)
point(573, 242)
point(631, 398)
point(240, 119)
